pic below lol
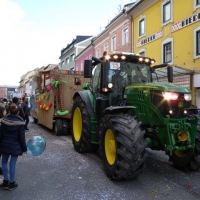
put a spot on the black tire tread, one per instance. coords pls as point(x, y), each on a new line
point(58, 127)
point(84, 145)
point(131, 146)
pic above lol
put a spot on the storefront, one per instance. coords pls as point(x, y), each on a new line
point(197, 89)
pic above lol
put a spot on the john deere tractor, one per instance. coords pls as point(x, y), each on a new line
point(125, 110)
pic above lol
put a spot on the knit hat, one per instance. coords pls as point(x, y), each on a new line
point(2, 108)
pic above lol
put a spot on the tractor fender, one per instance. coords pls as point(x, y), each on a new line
point(86, 99)
point(112, 109)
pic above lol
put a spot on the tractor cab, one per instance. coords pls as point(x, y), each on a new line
point(113, 72)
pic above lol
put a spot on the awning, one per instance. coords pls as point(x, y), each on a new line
point(177, 71)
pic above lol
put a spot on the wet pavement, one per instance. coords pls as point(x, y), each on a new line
point(60, 173)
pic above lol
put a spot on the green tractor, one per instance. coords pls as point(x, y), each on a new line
point(125, 110)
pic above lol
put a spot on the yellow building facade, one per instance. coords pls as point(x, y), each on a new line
point(169, 32)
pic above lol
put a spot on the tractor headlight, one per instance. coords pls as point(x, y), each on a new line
point(188, 97)
point(170, 95)
point(110, 85)
point(105, 89)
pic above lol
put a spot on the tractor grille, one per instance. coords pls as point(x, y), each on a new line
point(164, 106)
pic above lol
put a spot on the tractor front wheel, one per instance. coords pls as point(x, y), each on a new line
point(122, 146)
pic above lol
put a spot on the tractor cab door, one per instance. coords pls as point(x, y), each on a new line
point(96, 80)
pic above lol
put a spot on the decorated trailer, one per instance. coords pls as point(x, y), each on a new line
point(52, 103)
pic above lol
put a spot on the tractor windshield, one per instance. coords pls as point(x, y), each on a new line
point(117, 75)
point(129, 73)
point(123, 74)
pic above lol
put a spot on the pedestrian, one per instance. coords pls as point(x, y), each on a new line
point(13, 144)
point(2, 114)
point(26, 110)
point(21, 112)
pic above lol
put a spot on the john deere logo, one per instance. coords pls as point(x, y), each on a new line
point(180, 104)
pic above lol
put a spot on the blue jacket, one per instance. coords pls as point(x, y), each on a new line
point(12, 135)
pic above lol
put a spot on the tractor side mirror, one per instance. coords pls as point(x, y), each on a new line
point(170, 74)
point(88, 69)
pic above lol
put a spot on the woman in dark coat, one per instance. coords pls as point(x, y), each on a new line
point(13, 144)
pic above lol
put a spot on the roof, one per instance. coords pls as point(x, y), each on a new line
point(8, 86)
point(177, 71)
point(49, 67)
point(79, 38)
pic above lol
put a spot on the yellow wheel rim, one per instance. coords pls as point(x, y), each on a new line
point(77, 124)
point(110, 147)
point(180, 154)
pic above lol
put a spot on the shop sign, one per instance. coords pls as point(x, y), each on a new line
point(186, 22)
point(149, 39)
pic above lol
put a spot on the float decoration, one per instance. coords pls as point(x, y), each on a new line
point(57, 84)
point(48, 88)
point(44, 106)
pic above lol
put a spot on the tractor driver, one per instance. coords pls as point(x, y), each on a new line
point(139, 77)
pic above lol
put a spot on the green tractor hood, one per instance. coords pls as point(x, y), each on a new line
point(160, 86)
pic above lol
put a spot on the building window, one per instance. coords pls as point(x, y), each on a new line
point(113, 43)
point(196, 4)
point(167, 11)
point(142, 52)
point(77, 81)
point(125, 36)
point(197, 42)
point(98, 53)
point(67, 61)
point(141, 27)
point(106, 47)
point(81, 66)
point(167, 51)
point(72, 57)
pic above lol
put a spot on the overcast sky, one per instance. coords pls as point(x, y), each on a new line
point(33, 32)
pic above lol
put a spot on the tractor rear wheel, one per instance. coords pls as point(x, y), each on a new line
point(81, 128)
point(122, 146)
